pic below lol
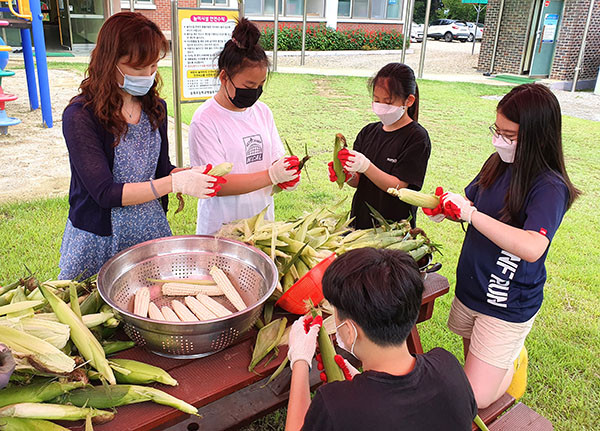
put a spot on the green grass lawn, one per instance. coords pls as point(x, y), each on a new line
point(564, 345)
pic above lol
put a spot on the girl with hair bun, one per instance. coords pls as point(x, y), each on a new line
point(233, 126)
point(116, 135)
point(392, 152)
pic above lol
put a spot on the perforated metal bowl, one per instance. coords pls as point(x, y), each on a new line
point(252, 272)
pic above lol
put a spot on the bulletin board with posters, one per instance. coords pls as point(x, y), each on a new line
point(202, 35)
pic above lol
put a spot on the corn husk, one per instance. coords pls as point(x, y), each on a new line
point(53, 332)
point(19, 424)
point(103, 397)
point(141, 373)
point(54, 412)
point(36, 352)
point(36, 392)
point(84, 340)
point(267, 339)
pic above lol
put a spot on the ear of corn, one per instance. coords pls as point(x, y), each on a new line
point(154, 313)
point(84, 340)
point(202, 312)
point(340, 142)
point(73, 299)
point(415, 198)
point(221, 169)
point(267, 339)
point(183, 312)
point(141, 373)
point(141, 302)
point(19, 424)
point(111, 347)
point(91, 304)
point(95, 319)
point(332, 370)
point(228, 289)
point(53, 332)
point(185, 289)
point(104, 397)
point(17, 307)
point(38, 353)
point(54, 412)
point(169, 314)
point(213, 306)
point(36, 392)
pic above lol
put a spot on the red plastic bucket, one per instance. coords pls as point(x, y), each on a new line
point(308, 287)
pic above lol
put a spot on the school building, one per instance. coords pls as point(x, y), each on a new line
point(72, 23)
point(542, 38)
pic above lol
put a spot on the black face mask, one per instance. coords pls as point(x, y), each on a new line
point(244, 97)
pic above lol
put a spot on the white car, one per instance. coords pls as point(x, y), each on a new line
point(471, 26)
point(416, 32)
point(449, 30)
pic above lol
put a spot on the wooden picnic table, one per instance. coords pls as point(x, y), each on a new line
point(220, 385)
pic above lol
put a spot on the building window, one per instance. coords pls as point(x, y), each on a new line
point(213, 2)
point(138, 4)
point(373, 9)
point(286, 7)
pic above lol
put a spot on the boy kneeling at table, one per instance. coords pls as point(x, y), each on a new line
point(376, 295)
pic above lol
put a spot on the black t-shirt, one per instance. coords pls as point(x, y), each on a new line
point(403, 153)
point(436, 395)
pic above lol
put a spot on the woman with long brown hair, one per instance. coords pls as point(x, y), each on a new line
point(514, 207)
point(116, 134)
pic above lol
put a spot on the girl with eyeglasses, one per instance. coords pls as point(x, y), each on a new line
point(514, 207)
point(233, 126)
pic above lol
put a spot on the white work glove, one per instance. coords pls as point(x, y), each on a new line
point(458, 205)
point(302, 344)
point(353, 371)
point(284, 170)
point(356, 162)
point(194, 182)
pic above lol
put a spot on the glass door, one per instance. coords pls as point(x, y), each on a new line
point(86, 17)
point(64, 23)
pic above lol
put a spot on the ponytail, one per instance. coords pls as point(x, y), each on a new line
point(401, 83)
point(242, 49)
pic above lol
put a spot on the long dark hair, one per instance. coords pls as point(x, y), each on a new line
point(539, 147)
point(131, 35)
point(243, 49)
point(401, 82)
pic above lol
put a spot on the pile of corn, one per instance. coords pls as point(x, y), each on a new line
point(197, 305)
point(298, 245)
point(59, 334)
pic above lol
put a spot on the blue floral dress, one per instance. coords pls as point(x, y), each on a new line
point(136, 158)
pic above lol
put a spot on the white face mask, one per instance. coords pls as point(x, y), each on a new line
point(388, 114)
point(137, 85)
point(341, 343)
point(505, 150)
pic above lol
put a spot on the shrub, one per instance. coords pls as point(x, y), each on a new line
point(322, 38)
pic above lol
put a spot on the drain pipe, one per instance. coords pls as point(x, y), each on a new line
point(496, 38)
point(582, 48)
point(424, 43)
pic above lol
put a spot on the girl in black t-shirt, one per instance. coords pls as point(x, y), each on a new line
point(390, 153)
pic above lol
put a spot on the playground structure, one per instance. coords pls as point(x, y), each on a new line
point(28, 19)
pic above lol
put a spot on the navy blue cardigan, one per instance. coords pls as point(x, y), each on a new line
point(93, 191)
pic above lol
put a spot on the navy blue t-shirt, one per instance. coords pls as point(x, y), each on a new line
point(493, 281)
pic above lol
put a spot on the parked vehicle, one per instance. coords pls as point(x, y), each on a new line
point(471, 26)
point(449, 30)
point(416, 32)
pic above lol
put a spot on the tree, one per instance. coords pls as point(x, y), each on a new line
point(451, 9)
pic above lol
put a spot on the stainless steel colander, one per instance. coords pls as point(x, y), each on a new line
point(249, 269)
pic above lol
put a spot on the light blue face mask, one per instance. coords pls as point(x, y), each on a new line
point(137, 85)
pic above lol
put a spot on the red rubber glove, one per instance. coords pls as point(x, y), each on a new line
point(218, 181)
point(445, 209)
point(333, 175)
point(347, 368)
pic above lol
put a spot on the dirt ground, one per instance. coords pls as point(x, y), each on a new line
point(35, 161)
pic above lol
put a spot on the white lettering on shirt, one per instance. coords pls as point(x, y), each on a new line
point(498, 287)
point(392, 160)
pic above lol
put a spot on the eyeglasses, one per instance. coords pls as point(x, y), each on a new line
point(496, 134)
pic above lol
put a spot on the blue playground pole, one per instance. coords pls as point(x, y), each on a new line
point(29, 68)
point(39, 44)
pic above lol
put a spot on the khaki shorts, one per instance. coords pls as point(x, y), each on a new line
point(494, 341)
